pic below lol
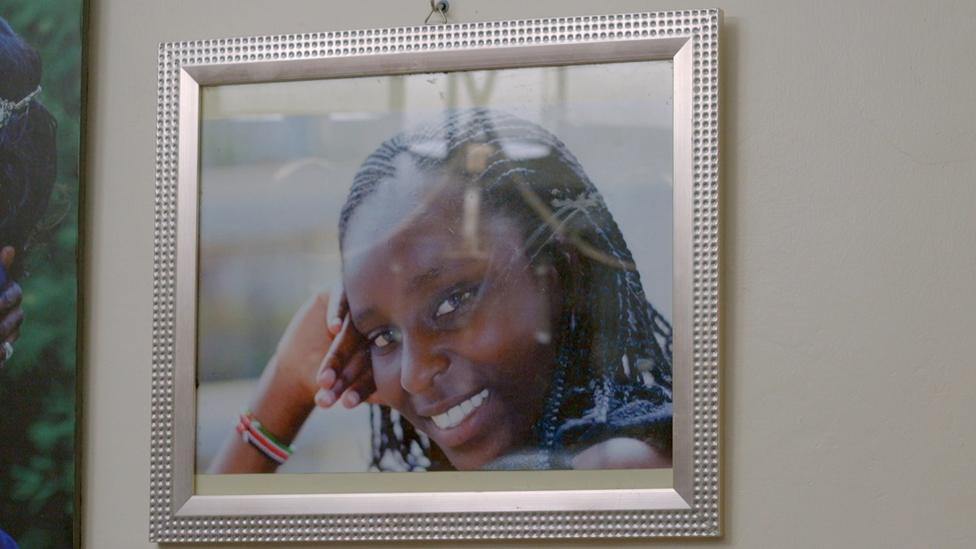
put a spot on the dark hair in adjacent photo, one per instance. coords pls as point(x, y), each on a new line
point(28, 155)
point(613, 349)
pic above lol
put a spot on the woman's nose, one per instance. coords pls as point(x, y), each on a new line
point(421, 363)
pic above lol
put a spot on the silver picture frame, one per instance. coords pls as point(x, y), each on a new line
point(690, 39)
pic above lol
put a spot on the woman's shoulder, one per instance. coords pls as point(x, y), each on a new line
point(614, 453)
point(622, 453)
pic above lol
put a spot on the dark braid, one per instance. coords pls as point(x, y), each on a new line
point(613, 371)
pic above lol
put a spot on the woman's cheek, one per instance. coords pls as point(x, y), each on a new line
point(506, 344)
point(513, 325)
point(483, 338)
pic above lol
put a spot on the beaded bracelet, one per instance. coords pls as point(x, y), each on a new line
point(253, 433)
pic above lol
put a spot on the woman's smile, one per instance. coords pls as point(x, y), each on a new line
point(462, 423)
point(459, 412)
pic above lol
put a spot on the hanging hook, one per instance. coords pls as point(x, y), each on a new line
point(439, 6)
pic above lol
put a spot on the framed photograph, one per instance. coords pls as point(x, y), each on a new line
point(439, 282)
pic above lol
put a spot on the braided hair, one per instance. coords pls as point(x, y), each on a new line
point(613, 349)
point(28, 156)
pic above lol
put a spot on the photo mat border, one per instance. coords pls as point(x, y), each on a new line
point(691, 509)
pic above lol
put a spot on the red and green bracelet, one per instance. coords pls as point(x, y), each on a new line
point(253, 433)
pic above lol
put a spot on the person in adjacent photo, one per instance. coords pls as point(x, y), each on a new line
point(28, 160)
point(28, 168)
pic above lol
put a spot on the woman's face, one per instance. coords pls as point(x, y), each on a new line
point(457, 320)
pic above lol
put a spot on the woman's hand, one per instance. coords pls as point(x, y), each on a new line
point(284, 396)
point(320, 352)
point(11, 313)
point(304, 345)
point(345, 373)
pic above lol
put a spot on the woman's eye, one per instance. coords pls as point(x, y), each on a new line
point(453, 302)
point(383, 339)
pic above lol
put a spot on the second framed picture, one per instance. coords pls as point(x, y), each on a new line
point(439, 282)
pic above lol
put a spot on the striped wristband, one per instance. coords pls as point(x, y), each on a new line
point(253, 433)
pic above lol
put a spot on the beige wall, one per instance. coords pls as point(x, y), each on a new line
point(849, 257)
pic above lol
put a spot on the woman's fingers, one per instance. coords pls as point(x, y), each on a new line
point(10, 297)
point(11, 314)
point(338, 307)
point(345, 366)
point(353, 369)
point(360, 391)
point(10, 324)
point(345, 345)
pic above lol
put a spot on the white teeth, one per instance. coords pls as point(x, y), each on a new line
point(456, 414)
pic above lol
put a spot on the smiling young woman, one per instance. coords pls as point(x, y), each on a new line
point(492, 316)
